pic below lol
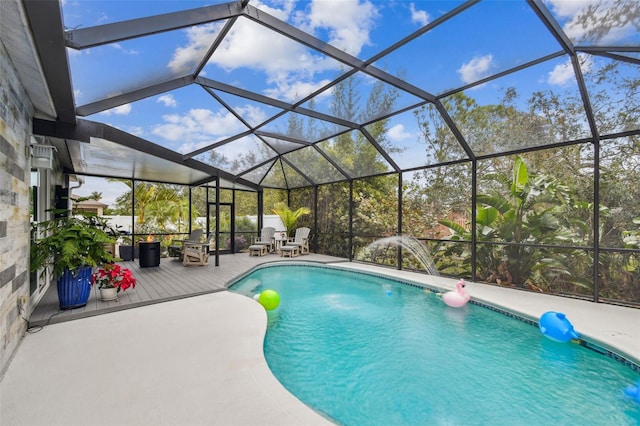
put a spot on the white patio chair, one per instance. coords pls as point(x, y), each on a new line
point(195, 253)
point(176, 246)
point(266, 238)
point(300, 240)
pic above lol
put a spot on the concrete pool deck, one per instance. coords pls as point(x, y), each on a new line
point(193, 361)
point(199, 360)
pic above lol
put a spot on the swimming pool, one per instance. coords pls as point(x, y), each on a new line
point(367, 350)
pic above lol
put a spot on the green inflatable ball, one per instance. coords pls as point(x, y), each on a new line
point(269, 299)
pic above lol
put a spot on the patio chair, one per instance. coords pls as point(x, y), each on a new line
point(266, 238)
point(175, 248)
point(300, 240)
point(196, 253)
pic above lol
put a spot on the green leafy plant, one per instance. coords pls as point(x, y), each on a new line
point(525, 210)
point(289, 217)
point(631, 239)
point(70, 242)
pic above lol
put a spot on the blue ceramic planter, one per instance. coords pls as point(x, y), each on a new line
point(74, 288)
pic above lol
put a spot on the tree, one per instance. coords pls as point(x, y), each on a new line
point(440, 192)
point(157, 206)
point(528, 210)
point(599, 19)
point(289, 217)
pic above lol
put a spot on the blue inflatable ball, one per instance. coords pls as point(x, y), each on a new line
point(389, 292)
point(555, 326)
point(270, 299)
point(633, 391)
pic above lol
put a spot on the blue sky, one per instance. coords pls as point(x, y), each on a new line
point(488, 38)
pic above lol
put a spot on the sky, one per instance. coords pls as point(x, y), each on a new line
point(488, 38)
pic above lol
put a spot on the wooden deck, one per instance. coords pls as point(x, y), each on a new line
point(169, 281)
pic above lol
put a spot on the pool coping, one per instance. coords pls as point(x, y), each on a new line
point(589, 340)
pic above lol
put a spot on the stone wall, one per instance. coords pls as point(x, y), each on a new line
point(15, 135)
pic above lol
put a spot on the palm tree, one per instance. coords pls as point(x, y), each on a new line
point(288, 216)
point(179, 212)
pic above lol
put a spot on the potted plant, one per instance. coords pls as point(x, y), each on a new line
point(127, 250)
point(288, 216)
point(110, 279)
point(70, 247)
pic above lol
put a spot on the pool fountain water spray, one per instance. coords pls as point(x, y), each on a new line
point(414, 246)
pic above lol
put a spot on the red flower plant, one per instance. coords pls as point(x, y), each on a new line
point(112, 275)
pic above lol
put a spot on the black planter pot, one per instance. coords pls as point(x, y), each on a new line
point(74, 288)
point(128, 252)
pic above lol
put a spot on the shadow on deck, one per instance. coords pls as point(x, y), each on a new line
point(169, 281)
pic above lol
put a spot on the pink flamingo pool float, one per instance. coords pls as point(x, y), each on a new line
point(457, 298)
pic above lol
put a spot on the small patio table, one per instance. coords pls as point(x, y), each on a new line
point(280, 239)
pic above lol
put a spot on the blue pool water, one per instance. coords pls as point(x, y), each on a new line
point(369, 351)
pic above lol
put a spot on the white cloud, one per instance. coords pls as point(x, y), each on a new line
point(567, 8)
point(119, 110)
point(476, 69)
point(290, 67)
point(563, 73)
point(199, 39)
point(197, 127)
point(168, 101)
point(419, 16)
point(119, 47)
point(282, 13)
point(293, 90)
point(252, 115)
point(102, 19)
point(191, 146)
point(252, 46)
point(348, 24)
point(135, 130)
point(398, 133)
point(584, 16)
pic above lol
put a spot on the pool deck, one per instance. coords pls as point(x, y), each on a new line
point(199, 360)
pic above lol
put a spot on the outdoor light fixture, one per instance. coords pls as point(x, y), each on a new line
point(42, 156)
